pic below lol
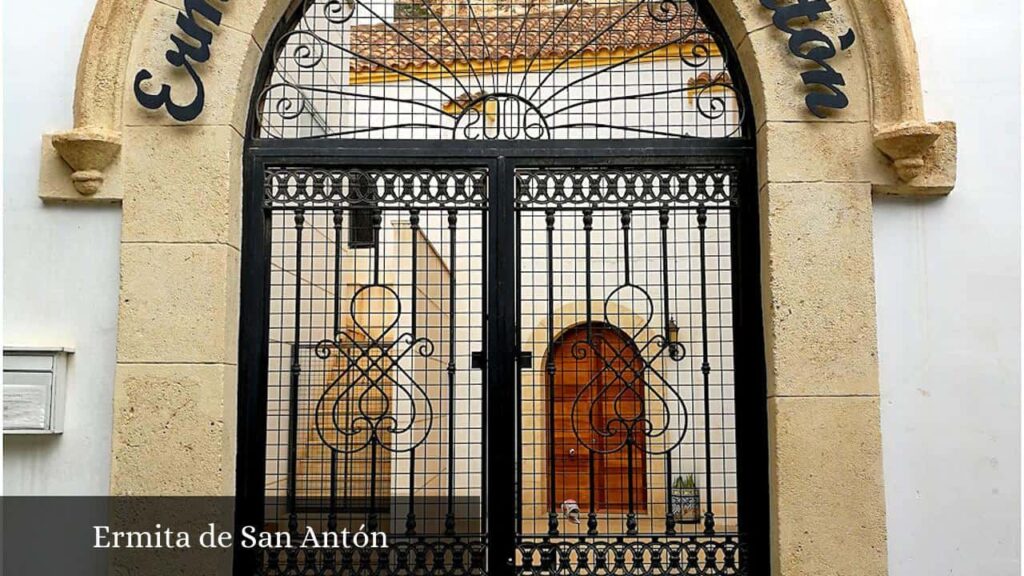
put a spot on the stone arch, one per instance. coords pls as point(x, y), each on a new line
point(891, 92)
point(181, 189)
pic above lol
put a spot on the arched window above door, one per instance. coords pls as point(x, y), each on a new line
point(485, 70)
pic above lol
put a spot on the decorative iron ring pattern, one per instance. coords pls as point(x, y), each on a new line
point(719, 555)
point(632, 187)
point(424, 556)
point(376, 188)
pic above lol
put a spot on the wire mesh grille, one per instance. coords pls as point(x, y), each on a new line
point(375, 411)
point(627, 417)
point(483, 69)
point(377, 387)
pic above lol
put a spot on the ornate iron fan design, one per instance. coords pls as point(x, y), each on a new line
point(487, 70)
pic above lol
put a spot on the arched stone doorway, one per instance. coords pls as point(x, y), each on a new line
point(181, 247)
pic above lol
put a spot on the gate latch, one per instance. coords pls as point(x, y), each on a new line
point(525, 360)
point(477, 361)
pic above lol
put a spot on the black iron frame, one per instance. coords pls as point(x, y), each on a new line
point(502, 158)
point(657, 10)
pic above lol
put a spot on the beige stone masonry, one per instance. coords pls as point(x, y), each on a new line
point(250, 17)
point(174, 426)
point(91, 148)
point(777, 91)
point(223, 76)
point(183, 197)
point(938, 174)
point(820, 303)
point(57, 187)
point(179, 303)
point(817, 152)
point(828, 501)
point(741, 18)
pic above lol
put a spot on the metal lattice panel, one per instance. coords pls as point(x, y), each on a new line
point(627, 442)
point(522, 350)
point(489, 70)
point(374, 406)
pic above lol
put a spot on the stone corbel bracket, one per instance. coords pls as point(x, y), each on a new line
point(923, 158)
point(922, 154)
point(92, 148)
point(89, 152)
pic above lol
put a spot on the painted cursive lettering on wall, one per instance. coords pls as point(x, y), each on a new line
point(813, 45)
point(191, 46)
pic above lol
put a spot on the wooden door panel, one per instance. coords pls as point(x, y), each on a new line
point(615, 369)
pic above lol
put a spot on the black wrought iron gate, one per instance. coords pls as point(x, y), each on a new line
point(529, 360)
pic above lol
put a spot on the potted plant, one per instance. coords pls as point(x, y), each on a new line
point(685, 500)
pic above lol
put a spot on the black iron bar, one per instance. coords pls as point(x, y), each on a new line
point(663, 220)
point(295, 371)
point(631, 526)
point(480, 189)
point(377, 220)
point(626, 219)
point(371, 517)
point(550, 368)
point(449, 521)
point(592, 504)
point(332, 513)
point(588, 228)
point(705, 367)
point(414, 226)
point(519, 363)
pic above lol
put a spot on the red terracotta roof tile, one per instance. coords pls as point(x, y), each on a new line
point(550, 34)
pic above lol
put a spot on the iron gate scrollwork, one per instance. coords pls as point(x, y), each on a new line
point(637, 263)
point(492, 270)
point(374, 411)
point(486, 70)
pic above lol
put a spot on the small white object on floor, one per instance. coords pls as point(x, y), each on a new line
point(571, 510)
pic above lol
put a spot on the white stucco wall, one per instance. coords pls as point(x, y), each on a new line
point(948, 277)
point(60, 263)
point(947, 274)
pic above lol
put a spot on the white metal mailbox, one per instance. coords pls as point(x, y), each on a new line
point(35, 384)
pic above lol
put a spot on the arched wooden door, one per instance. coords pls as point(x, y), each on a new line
point(598, 384)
